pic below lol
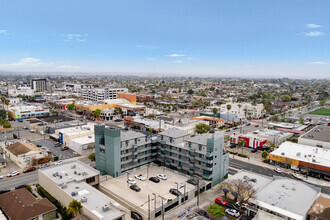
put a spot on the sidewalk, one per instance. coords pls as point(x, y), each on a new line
point(287, 171)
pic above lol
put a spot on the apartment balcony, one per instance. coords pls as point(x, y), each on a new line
point(191, 172)
point(162, 148)
point(191, 164)
point(153, 141)
point(135, 152)
point(192, 150)
point(162, 155)
point(207, 168)
point(134, 146)
point(167, 163)
point(191, 157)
point(208, 154)
point(179, 167)
point(154, 147)
point(163, 142)
point(182, 154)
point(154, 154)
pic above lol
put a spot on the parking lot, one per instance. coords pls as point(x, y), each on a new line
point(56, 151)
point(119, 188)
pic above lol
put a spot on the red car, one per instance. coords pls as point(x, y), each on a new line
point(220, 201)
point(30, 169)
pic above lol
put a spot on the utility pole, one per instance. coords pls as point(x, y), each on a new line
point(163, 214)
point(149, 206)
point(197, 192)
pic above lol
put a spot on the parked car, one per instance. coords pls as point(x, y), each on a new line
point(154, 179)
point(25, 128)
point(192, 181)
point(4, 191)
point(278, 170)
point(59, 162)
point(15, 173)
point(232, 212)
point(20, 186)
point(140, 177)
point(231, 206)
point(135, 215)
point(254, 150)
point(248, 124)
point(227, 130)
point(256, 126)
point(1, 177)
point(42, 132)
point(162, 176)
point(57, 144)
point(39, 145)
point(131, 181)
point(203, 213)
point(32, 131)
point(175, 192)
point(135, 188)
point(243, 205)
point(220, 201)
point(30, 169)
point(44, 165)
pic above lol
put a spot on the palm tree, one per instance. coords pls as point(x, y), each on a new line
point(239, 108)
point(241, 144)
point(74, 208)
point(245, 111)
point(228, 108)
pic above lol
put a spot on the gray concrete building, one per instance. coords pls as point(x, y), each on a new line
point(317, 137)
point(118, 151)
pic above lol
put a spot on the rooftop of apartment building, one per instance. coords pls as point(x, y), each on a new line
point(69, 171)
point(309, 154)
point(174, 133)
point(319, 133)
point(129, 135)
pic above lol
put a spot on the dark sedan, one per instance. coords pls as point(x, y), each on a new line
point(175, 192)
point(192, 182)
point(135, 188)
point(154, 179)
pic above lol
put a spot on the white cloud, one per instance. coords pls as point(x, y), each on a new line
point(75, 37)
point(177, 61)
point(67, 67)
point(145, 47)
point(4, 32)
point(176, 55)
point(314, 34)
point(313, 25)
point(318, 63)
point(29, 64)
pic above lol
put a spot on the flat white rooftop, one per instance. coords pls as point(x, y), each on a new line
point(84, 140)
point(309, 154)
point(69, 171)
point(77, 130)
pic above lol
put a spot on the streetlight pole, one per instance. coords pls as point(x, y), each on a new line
point(148, 206)
point(184, 193)
point(177, 189)
point(127, 173)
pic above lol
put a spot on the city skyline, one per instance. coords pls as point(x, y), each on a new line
point(239, 39)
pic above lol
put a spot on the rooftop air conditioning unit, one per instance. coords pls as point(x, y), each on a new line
point(83, 199)
point(74, 193)
point(105, 208)
point(64, 186)
point(282, 153)
point(90, 136)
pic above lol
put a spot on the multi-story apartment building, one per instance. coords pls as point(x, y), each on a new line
point(39, 85)
point(244, 110)
point(99, 94)
point(118, 151)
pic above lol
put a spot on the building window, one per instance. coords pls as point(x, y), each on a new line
point(127, 151)
point(189, 144)
point(135, 140)
point(162, 137)
point(171, 140)
point(126, 143)
point(90, 180)
point(200, 147)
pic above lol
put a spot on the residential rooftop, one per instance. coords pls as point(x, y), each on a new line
point(129, 135)
point(69, 171)
point(174, 133)
point(319, 133)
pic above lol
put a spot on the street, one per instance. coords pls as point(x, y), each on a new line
point(23, 178)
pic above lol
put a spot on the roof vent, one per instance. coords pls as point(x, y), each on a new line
point(294, 189)
point(63, 186)
point(74, 193)
point(282, 153)
point(298, 154)
point(105, 208)
point(83, 199)
point(89, 136)
point(73, 166)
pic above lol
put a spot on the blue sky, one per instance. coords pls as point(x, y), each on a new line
point(248, 38)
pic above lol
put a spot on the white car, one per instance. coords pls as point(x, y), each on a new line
point(15, 173)
point(232, 212)
point(278, 170)
point(58, 162)
point(1, 177)
point(131, 181)
point(162, 176)
point(244, 205)
point(140, 177)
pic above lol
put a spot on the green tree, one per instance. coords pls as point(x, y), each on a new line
point(97, 113)
point(202, 128)
point(275, 118)
point(322, 103)
point(190, 92)
point(92, 157)
point(285, 98)
point(241, 144)
point(215, 111)
point(264, 154)
point(216, 211)
point(70, 107)
point(228, 108)
point(6, 124)
point(118, 111)
point(74, 208)
point(302, 120)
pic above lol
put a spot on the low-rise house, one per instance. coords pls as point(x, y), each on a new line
point(20, 204)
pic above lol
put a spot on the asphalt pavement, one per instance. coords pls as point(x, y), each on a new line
point(23, 178)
